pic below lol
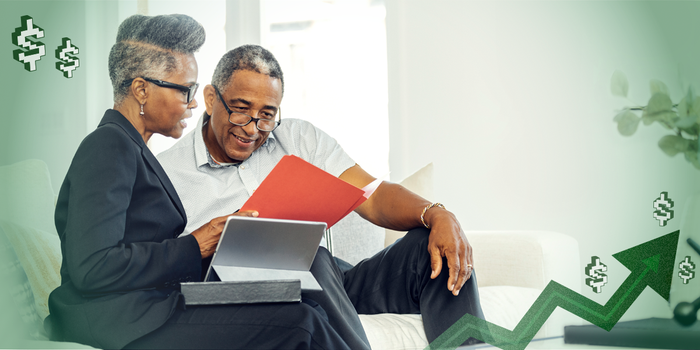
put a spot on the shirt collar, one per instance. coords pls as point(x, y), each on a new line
point(202, 156)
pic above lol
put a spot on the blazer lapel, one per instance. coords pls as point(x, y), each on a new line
point(164, 180)
point(112, 116)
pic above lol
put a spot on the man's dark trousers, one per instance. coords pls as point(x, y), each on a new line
point(395, 280)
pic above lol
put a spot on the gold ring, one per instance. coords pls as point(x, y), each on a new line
point(469, 266)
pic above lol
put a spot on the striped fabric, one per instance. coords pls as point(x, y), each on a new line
point(17, 296)
point(39, 254)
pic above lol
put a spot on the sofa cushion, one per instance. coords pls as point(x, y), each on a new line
point(39, 253)
point(506, 305)
point(19, 317)
point(502, 305)
point(394, 332)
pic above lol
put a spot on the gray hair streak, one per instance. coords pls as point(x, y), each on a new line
point(145, 47)
point(246, 57)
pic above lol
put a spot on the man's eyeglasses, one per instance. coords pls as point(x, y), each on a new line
point(242, 119)
point(189, 90)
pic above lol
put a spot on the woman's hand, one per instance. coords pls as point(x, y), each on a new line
point(208, 235)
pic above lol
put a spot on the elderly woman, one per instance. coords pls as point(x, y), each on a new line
point(120, 219)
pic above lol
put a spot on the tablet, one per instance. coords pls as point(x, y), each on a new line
point(258, 249)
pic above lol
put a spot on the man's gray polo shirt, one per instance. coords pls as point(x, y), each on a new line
point(208, 190)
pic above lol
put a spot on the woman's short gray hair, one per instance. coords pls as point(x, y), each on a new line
point(145, 47)
point(246, 57)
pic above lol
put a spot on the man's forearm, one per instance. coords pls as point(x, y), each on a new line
point(393, 206)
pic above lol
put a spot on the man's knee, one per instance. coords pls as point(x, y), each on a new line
point(302, 326)
point(417, 237)
point(323, 259)
point(324, 265)
point(323, 253)
point(305, 317)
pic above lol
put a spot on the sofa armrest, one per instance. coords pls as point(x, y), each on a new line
point(525, 258)
point(529, 259)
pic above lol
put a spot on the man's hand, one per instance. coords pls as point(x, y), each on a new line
point(208, 235)
point(447, 239)
point(394, 207)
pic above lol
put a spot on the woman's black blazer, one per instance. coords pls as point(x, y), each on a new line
point(119, 218)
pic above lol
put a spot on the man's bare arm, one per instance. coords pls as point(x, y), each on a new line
point(393, 206)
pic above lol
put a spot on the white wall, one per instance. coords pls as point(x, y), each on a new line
point(335, 71)
point(511, 101)
point(45, 115)
point(212, 15)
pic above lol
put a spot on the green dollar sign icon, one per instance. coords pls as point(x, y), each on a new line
point(663, 211)
point(68, 63)
point(686, 268)
point(22, 37)
point(597, 279)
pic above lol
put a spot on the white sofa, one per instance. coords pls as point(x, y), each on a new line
point(513, 267)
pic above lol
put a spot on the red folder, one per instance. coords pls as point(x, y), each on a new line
point(298, 190)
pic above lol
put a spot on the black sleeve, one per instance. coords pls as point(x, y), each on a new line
point(99, 191)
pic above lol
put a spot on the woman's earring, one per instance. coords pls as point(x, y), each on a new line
point(141, 110)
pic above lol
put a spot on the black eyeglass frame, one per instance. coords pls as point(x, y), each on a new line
point(190, 90)
point(257, 120)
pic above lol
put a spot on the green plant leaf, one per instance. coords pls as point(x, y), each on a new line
point(619, 115)
point(673, 144)
point(690, 96)
point(627, 122)
point(670, 119)
point(650, 118)
point(659, 103)
point(646, 119)
point(660, 109)
point(697, 154)
point(686, 122)
point(657, 86)
point(692, 158)
point(618, 84)
point(685, 108)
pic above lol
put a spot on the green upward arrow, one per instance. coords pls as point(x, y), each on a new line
point(651, 264)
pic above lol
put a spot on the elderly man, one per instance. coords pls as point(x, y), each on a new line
point(241, 137)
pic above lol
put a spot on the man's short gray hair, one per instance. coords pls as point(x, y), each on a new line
point(145, 47)
point(246, 57)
